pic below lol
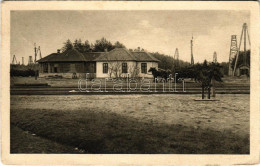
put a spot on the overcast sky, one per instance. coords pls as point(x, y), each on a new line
point(155, 31)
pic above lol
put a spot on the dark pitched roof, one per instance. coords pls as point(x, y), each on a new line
point(121, 54)
point(143, 56)
point(67, 56)
point(92, 56)
point(117, 54)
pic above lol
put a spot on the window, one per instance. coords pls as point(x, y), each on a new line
point(144, 67)
point(105, 67)
point(124, 67)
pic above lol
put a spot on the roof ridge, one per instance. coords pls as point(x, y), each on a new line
point(73, 49)
point(152, 56)
point(129, 52)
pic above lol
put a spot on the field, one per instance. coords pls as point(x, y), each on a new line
point(129, 124)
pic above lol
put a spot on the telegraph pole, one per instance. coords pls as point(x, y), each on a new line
point(191, 45)
point(35, 53)
point(244, 59)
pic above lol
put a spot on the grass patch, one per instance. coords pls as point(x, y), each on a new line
point(27, 142)
point(102, 132)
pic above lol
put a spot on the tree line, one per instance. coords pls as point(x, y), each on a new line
point(84, 47)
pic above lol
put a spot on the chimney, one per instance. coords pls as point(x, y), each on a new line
point(58, 51)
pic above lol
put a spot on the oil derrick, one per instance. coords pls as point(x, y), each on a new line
point(244, 34)
point(14, 61)
point(192, 58)
point(30, 61)
point(232, 53)
point(36, 52)
point(176, 58)
point(39, 51)
point(215, 57)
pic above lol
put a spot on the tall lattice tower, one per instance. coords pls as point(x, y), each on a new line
point(245, 35)
point(191, 46)
point(36, 52)
point(232, 53)
point(30, 61)
point(176, 58)
point(215, 57)
point(14, 61)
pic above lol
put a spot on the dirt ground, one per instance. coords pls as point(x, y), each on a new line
point(230, 113)
point(130, 124)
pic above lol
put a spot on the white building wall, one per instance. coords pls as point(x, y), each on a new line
point(115, 64)
point(149, 65)
point(133, 68)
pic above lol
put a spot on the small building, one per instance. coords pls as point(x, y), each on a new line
point(113, 64)
point(243, 70)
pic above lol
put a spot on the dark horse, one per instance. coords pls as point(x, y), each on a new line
point(160, 73)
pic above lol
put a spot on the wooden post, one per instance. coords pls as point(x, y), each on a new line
point(213, 91)
point(202, 91)
point(208, 92)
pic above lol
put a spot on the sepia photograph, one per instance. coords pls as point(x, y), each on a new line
point(130, 81)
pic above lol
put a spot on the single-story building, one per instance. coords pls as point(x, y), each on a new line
point(243, 69)
point(113, 64)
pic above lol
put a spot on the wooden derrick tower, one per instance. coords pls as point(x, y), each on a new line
point(245, 37)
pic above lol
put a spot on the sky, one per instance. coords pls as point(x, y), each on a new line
point(155, 31)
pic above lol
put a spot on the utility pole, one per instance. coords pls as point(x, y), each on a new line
point(35, 53)
point(191, 45)
point(244, 59)
point(244, 32)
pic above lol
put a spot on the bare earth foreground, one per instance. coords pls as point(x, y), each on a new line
point(129, 124)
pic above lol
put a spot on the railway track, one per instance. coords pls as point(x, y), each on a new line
point(102, 91)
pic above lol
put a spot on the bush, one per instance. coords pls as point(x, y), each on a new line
point(23, 73)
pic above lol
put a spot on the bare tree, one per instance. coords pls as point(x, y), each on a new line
point(117, 68)
point(114, 68)
point(134, 70)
